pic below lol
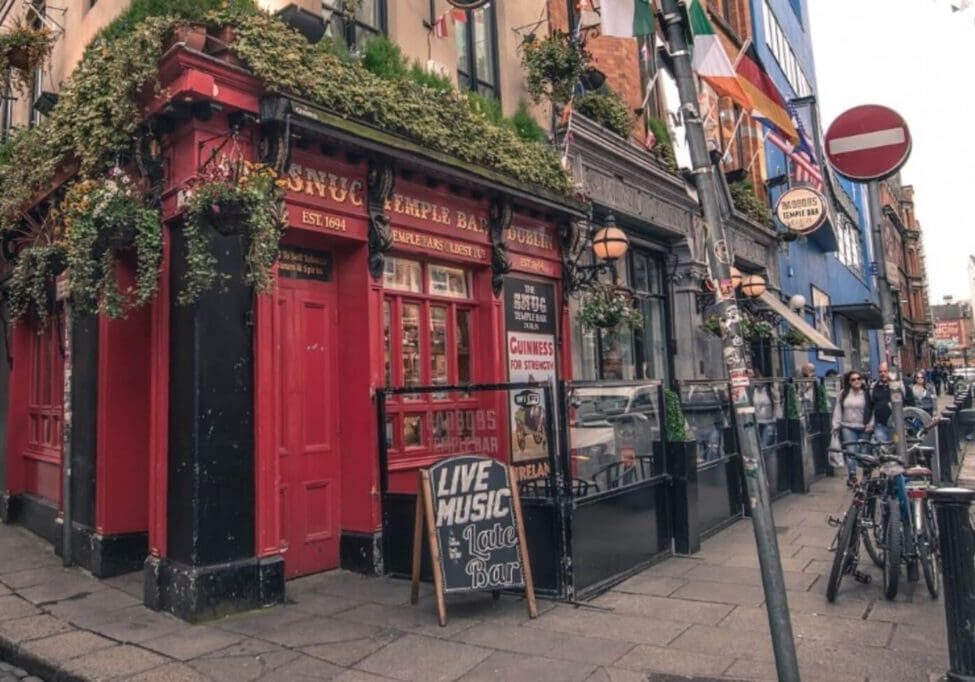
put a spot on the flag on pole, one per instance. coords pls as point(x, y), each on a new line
point(711, 61)
point(805, 168)
point(440, 26)
point(768, 106)
point(627, 18)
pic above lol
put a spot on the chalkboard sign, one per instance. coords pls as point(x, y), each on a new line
point(472, 513)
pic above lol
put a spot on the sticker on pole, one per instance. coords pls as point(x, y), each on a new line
point(869, 142)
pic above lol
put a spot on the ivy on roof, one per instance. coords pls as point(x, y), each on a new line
point(98, 116)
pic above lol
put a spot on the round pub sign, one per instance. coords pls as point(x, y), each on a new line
point(801, 209)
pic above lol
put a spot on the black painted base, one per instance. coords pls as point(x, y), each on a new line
point(199, 593)
point(106, 556)
point(8, 506)
point(33, 513)
point(361, 552)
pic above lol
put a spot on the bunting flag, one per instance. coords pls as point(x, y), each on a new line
point(711, 61)
point(440, 27)
point(459, 15)
point(627, 18)
point(768, 105)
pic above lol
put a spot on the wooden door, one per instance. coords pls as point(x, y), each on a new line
point(305, 345)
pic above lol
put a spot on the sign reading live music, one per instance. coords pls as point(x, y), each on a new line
point(529, 311)
point(472, 514)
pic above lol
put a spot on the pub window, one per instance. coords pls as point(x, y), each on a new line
point(37, 84)
point(477, 51)
point(368, 20)
point(7, 110)
point(428, 315)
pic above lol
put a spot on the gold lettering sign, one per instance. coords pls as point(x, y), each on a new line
point(323, 220)
point(324, 185)
point(304, 264)
point(526, 263)
point(438, 244)
point(533, 237)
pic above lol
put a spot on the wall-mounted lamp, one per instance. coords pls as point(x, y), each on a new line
point(753, 286)
point(45, 102)
point(797, 303)
point(609, 244)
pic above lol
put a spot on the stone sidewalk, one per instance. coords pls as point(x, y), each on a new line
point(700, 617)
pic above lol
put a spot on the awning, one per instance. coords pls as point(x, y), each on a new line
point(820, 342)
point(867, 312)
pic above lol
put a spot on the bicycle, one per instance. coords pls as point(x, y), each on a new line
point(852, 527)
point(923, 526)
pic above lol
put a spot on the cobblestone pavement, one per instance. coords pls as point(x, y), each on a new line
point(699, 617)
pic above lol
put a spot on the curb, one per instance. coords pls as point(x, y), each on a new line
point(36, 666)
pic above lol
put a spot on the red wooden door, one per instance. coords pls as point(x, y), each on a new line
point(305, 331)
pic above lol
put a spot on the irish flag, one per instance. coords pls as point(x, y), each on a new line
point(711, 62)
point(627, 18)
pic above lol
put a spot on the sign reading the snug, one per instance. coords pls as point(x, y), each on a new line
point(801, 209)
point(472, 513)
point(304, 264)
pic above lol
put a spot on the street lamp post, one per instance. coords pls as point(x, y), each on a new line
point(719, 271)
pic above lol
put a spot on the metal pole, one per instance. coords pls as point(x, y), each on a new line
point(957, 537)
point(719, 260)
point(887, 309)
point(66, 558)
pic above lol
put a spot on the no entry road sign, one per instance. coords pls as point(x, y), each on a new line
point(868, 142)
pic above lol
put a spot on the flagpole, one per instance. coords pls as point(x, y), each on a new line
point(731, 141)
point(758, 151)
point(741, 52)
point(719, 274)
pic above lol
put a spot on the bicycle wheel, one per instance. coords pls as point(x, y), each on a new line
point(894, 541)
point(845, 552)
point(870, 530)
point(928, 555)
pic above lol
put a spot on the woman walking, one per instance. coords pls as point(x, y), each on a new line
point(852, 417)
point(923, 395)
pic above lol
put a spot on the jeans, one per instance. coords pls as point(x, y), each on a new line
point(881, 433)
point(766, 434)
point(846, 435)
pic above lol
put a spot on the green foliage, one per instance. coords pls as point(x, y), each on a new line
point(101, 218)
point(525, 125)
point(189, 10)
point(791, 402)
point(251, 202)
point(553, 66)
point(664, 148)
point(795, 338)
point(22, 50)
point(425, 79)
point(754, 329)
point(383, 58)
point(821, 404)
point(31, 284)
point(608, 110)
point(745, 200)
point(675, 426)
point(608, 307)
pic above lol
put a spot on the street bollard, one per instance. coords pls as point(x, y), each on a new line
point(946, 435)
point(957, 538)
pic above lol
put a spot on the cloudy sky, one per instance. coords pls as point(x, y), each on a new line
point(918, 58)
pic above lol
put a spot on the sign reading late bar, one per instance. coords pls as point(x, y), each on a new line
point(472, 513)
point(304, 264)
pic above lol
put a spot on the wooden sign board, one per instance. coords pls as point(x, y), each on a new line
point(471, 511)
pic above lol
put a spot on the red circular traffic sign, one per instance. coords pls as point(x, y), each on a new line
point(869, 142)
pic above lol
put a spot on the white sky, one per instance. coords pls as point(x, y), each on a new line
point(918, 58)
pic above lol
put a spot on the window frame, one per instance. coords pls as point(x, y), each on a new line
point(348, 28)
point(474, 82)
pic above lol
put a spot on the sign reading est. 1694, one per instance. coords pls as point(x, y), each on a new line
point(801, 210)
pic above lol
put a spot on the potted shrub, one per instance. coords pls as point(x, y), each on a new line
point(22, 50)
point(554, 65)
point(745, 200)
point(231, 198)
point(608, 110)
point(795, 338)
point(102, 218)
point(30, 289)
point(194, 36)
point(608, 307)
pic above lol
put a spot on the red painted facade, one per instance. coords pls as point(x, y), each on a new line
point(321, 348)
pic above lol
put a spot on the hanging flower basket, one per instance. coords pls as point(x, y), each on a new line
point(608, 307)
point(225, 216)
point(30, 289)
point(23, 49)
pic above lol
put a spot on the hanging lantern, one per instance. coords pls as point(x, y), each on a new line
point(753, 286)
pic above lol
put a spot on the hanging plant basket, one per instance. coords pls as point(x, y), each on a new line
point(553, 66)
point(115, 235)
point(23, 50)
point(608, 307)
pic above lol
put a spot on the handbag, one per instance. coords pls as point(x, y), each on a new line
point(836, 458)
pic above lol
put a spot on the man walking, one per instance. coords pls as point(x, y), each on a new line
point(880, 401)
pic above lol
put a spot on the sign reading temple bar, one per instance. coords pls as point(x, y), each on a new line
point(472, 513)
point(801, 209)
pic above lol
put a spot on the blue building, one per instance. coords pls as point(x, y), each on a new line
point(825, 276)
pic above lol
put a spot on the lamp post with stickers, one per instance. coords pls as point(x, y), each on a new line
point(719, 262)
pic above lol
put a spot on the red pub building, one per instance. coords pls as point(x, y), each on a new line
point(227, 446)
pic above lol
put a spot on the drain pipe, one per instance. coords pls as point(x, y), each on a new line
point(66, 553)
